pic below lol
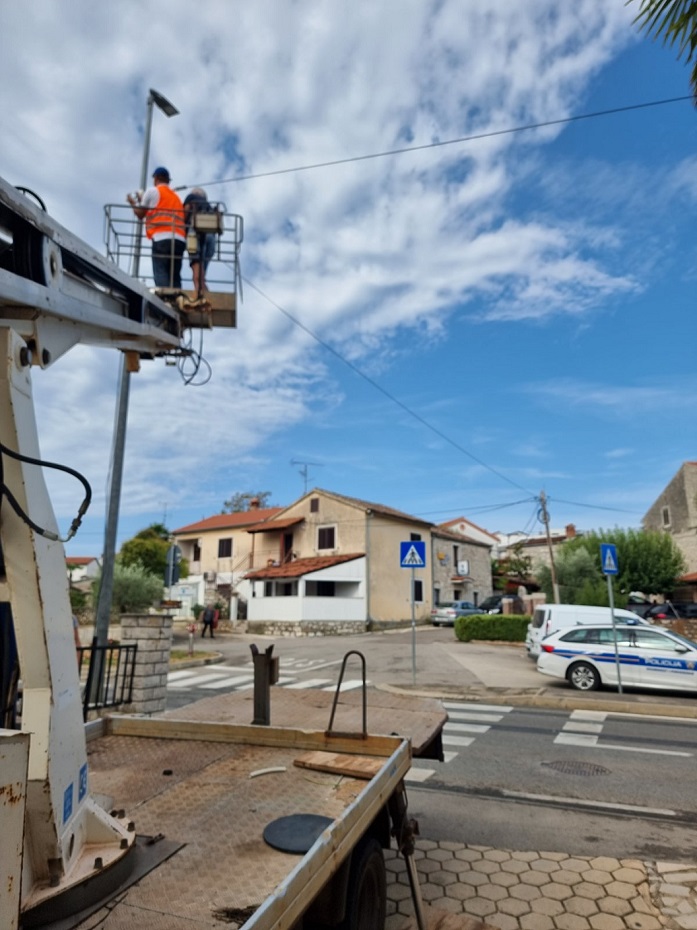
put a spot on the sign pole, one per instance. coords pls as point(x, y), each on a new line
point(611, 599)
point(610, 567)
point(412, 554)
point(413, 627)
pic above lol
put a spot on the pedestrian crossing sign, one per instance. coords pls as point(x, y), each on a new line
point(412, 554)
point(608, 559)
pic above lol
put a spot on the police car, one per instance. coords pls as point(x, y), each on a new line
point(649, 657)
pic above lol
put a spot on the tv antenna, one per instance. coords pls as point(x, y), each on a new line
point(304, 471)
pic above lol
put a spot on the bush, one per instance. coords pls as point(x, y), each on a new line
point(506, 628)
point(135, 589)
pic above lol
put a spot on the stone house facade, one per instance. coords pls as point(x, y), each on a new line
point(461, 566)
point(675, 512)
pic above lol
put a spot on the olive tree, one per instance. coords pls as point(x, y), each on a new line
point(135, 588)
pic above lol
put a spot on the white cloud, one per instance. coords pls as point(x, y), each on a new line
point(359, 253)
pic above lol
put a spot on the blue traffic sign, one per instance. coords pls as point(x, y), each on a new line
point(412, 554)
point(608, 559)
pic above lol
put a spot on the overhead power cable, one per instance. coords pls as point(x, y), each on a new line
point(378, 387)
point(490, 134)
point(559, 500)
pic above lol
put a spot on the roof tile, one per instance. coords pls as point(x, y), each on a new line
point(299, 567)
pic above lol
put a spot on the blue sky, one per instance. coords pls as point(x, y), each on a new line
point(529, 296)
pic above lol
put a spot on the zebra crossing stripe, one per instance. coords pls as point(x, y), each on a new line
point(457, 740)
point(348, 685)
point(465, 728)
point(309, 683)
point(226, 682)
point(419, 775)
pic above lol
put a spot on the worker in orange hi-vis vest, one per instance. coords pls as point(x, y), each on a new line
point(163, 213)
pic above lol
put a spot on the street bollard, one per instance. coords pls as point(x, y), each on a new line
point(265, 675)
point(192, 630)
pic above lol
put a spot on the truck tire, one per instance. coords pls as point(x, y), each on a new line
point(366, 900)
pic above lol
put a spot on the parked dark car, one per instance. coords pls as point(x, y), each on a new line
point(676, 610)
point(639, 605)
point(494, 603)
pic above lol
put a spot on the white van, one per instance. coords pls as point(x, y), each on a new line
point(549, 618)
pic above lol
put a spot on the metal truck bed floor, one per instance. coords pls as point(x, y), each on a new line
point(217, 797)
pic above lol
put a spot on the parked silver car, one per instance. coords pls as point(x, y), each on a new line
point(446, 613)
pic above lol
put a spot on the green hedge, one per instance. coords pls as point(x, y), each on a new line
point(508, 628)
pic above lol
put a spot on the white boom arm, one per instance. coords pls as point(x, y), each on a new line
point(55, 292)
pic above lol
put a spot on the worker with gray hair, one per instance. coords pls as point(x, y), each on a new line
point(200, 244)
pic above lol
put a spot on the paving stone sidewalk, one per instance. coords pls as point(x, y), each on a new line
point(514, 890)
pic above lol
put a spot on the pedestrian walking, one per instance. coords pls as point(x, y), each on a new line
point(208, 620)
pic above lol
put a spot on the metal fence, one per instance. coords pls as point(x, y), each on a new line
point(107, 673)
point(124, 238)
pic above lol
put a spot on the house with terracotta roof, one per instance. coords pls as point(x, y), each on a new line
point(534, 545)
point(467, 528)
point(82, 567)
point(334, 567)
point(220, 551)
point(675, 512)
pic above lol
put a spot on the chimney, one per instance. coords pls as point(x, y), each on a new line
point(254, 503)
point(570, 530)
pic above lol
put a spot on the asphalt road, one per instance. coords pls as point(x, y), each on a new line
point(575, 782)
point(530, 764)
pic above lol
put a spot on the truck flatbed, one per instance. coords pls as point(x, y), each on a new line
point(215, 787)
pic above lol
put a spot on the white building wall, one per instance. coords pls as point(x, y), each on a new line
point(294, 608)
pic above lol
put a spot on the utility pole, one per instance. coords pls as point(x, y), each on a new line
point(106, 587)
point(544, 517)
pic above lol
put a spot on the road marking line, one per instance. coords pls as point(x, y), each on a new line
point(653, 752)
point(571, 726)
point(227, 682)
point(576, 739)
point(468, 705)
point(588, 740)
point(457, 740)
point(688, 721)
point(310, 683)
point(415, 774)
point(449, 756)
point(484, 718)
point(589, 715)
point(348, 685)
point(182, 673)
point(195, 682)
point(465, 728)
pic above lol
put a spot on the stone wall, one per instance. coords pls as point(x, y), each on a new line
point(306, 627)
point(153, 634)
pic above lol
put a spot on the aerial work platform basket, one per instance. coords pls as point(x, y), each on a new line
point(128, 247)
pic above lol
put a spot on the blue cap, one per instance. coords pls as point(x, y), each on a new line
point(161, 173)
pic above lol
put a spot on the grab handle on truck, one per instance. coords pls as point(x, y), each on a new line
point(364, 733)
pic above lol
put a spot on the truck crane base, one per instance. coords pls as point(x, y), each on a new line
point(96, 873)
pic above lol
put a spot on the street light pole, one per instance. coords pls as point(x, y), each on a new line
point(106, 587)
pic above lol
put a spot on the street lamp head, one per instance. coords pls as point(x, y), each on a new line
point(163, 103)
